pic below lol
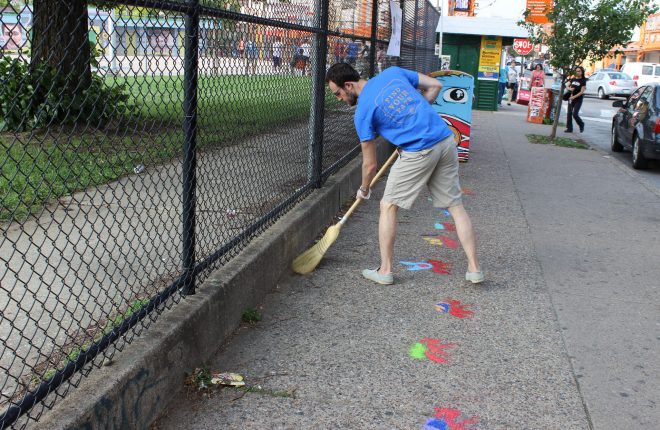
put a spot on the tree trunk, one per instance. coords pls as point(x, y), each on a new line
point(60, 39)
point(553, 134)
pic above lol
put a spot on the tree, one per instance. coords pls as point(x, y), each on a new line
point(60, 40)
point(586, 30)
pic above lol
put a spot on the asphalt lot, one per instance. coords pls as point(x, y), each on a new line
point(597, 115)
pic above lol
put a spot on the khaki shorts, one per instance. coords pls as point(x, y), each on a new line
point(435, 167)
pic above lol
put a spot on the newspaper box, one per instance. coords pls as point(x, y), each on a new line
point(540, 105)
point(454, 105)
point(524, 90)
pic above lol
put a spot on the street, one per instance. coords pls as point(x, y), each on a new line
point(597, 115)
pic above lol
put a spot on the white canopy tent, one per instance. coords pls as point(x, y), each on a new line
point(481, 26)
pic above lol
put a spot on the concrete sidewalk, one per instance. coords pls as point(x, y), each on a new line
point(563, 335)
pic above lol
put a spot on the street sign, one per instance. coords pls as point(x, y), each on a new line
point(522, 46)
point(538, 10)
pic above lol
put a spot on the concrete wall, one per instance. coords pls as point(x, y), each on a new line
point(138, 385)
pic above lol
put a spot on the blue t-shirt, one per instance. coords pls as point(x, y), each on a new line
point(503, 72)
point(352, 50)
point(389, 105)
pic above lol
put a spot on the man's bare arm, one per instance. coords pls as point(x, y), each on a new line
point(369, 163)
point(430, 87)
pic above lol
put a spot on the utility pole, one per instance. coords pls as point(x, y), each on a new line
point(441, 9)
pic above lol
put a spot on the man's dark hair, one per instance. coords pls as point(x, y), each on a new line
point(340, 73)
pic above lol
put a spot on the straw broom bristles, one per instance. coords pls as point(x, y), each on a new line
point(307, 261)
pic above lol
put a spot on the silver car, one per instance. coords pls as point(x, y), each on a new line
point(607, 84)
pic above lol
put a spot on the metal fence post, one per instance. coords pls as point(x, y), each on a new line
point(403, 31)
point(317, 111)
point(190, 59)
point(374, 39)
point(414, 35)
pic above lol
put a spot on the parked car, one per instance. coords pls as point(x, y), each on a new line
point(637, 125)
point(607, 84)
point(530, 65)
point(642, 73)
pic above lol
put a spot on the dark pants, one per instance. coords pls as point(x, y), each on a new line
point(573, 112)
point(500, 92)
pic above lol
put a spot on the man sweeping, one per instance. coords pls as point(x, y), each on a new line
point(390, 105)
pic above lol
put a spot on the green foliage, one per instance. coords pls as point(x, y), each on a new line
point(33, 174)
point(558, 141)
point(118, 319)
point(200, 378)
point(17, 5)
point(49, 373)
point(41, 97)
point(588, 30)
point(251, 316)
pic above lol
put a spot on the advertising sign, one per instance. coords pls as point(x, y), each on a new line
point(445, 61)
point(489, 58)
point(522, 46)
point(536, 107)
point(394, 48)
point(537, 11)
point(462, 5)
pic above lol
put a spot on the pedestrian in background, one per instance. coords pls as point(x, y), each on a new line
point(294, 50)
point(241, 48)
point(305, 54)
point(251, 53)
point(277, 54)
point(502, 84)
point(380, 58)
point(339, 51)
point(512, 81)
point(538, 77)
point(352, 50)
point(389, 105)
point(577, 85)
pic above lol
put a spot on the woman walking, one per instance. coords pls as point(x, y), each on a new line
point(538, 77)
point(577, 85)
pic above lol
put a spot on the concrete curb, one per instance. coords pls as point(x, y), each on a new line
point(138, 386)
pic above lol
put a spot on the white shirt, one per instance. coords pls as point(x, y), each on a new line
point(306, 49)
point(512, 76)
point(277, 49)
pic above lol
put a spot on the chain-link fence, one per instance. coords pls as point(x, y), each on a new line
point(145, 143)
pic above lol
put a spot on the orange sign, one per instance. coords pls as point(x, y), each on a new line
point(538, 10)
point(536, 106)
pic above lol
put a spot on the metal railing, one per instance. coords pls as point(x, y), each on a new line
point(144, 144)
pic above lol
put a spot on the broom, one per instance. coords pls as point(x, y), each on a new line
point(308, 260)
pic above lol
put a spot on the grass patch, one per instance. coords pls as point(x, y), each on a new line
point(251, 316)
point(44, 166)
point(34, 174)
point(558, 141)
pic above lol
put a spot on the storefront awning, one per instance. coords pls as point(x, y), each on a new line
point(481, 26)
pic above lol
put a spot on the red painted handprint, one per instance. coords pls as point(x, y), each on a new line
point(459, 310)
point(436, 349)
point(440, 267)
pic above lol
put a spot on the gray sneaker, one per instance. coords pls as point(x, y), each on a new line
point(373, 275)
point(475, 277)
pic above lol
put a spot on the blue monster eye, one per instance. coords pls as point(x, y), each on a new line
point(455, 95)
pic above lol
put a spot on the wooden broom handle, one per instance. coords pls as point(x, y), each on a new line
point(373, 182)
